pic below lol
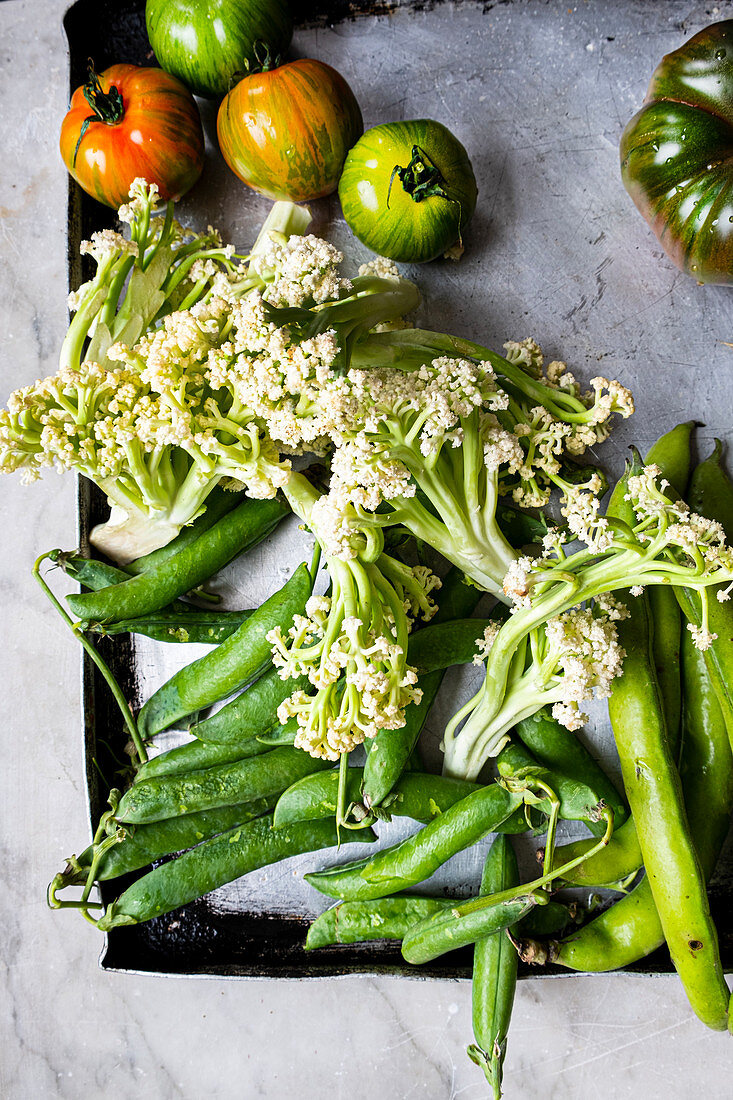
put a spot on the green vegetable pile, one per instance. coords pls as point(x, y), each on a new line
point(191, 379)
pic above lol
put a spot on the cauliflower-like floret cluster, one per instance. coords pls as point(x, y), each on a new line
point(583, 659)
point(359, 671)
point(301, 271)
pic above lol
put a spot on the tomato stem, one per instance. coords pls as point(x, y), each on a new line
point(264, 61)
point(421, 179)
point(107, 107)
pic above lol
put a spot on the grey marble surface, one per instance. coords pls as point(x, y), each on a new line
point(66, 1028)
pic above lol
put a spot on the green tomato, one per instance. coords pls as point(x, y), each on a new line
point(408, 190)
point(206, 42)
point(676, 155)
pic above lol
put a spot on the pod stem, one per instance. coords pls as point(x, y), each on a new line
point(95, 656)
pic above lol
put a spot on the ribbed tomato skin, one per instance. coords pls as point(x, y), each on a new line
point(205, 42)
point(677, 155)
point(385, 218)
point(286, 132)
point(159, 138)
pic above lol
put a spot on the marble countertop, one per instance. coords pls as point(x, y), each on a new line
point(67, 1028)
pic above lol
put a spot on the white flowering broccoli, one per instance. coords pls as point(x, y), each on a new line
point(659, 541)
point(569, 659)
point(352, 643)
point(195, 400)
point(433, 443)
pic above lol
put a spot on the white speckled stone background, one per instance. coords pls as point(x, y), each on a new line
point(66, 1028)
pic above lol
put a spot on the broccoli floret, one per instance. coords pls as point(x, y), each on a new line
point(664, 543)
point(351, 644)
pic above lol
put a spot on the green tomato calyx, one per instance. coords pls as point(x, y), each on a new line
point(263, 62)
point(107, 107)
point(421, 179)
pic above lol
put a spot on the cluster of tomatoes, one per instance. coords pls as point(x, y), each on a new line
point(289, 130)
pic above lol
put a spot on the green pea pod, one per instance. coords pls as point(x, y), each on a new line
point(145, 843)
point(549, 920)
point(219, 503)
point(280, 735)
point(231, 665)
point(441, 645)
point(378, 919)
point(197, 755)
point(462, 925)
point(565, 754)
point(180, 623)
point(577, 801)
point(255, 777)
point(655, 795)
point(215, 862)
point(620, 858)
point(89, 572)
point(237, 531)
point(494, 973)
point(417, 795)
point(251, 714)
point(418, 857)
point(389, 751)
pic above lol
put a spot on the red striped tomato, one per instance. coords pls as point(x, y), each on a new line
point(286, 131)
point(130, 123)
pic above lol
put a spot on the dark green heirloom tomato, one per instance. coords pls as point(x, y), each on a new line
point(206, 42)
point(677, 155)
point(408, 190)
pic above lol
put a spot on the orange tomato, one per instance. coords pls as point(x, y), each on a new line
point(286, 131)
point(128, 123)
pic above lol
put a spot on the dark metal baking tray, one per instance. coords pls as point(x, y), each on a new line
point(499, 50)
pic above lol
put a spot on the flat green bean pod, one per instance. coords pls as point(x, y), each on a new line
point(243, 781)
point(657, 803)
point(235, 662)
point(378, 919)
point(631, 928)
point(215, 862)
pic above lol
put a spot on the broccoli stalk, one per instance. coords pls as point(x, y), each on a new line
point(351, 644)
point(668, 544)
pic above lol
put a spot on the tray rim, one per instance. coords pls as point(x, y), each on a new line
point(94, 689)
